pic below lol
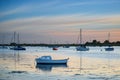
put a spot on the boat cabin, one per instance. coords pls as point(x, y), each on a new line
point(46, 58)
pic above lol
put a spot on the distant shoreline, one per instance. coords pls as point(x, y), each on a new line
point(64, 45)
point(93, 43)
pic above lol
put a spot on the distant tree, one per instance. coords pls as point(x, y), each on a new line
point(106, 42)
point(118, 42)
point(13, 44)
point(94, 41)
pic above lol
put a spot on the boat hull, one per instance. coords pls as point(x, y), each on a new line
point(55, 49)
point(15, 48)
point(38, 61)
point(109, 49)
point(82, 48)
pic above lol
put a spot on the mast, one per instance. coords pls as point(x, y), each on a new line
point(18, 39)
point(109, 36)
point(14, 37)
point(80, 36)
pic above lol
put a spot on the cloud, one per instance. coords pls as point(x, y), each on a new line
point(74, 4)
point(50, 6)
point(61, 22)
point(29, 7)
point(14, 11)
point(92, 2)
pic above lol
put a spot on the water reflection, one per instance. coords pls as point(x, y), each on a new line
point(48, 67)
point(91, 62)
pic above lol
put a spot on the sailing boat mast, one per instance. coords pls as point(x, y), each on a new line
point(14, 37)
point(18, 39)
point(109, 36)
point(80, 36)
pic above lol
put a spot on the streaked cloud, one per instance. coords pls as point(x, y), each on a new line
point(52, 6)
point(91, 2)
point(13, 11)
point(58, 22)
point(29, 8)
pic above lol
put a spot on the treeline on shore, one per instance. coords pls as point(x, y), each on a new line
point(93, 43)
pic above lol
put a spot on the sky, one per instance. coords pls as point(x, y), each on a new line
point(59, 21)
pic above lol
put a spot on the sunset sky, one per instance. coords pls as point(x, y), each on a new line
point(59, 21)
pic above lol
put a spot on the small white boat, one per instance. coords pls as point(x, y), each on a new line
point(48, 60)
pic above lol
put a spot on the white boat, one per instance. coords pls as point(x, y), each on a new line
point(109, 48)
point(81, 47)
point(48, 60)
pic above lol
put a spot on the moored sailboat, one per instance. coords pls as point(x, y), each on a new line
point(109, 48)
point(17, 46)
point(81, 47)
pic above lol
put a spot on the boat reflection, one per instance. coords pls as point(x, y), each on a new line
point(48, 67)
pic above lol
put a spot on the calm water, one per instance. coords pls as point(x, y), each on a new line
point(96, 64)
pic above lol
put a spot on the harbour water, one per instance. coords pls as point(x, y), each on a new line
point(95, 64)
